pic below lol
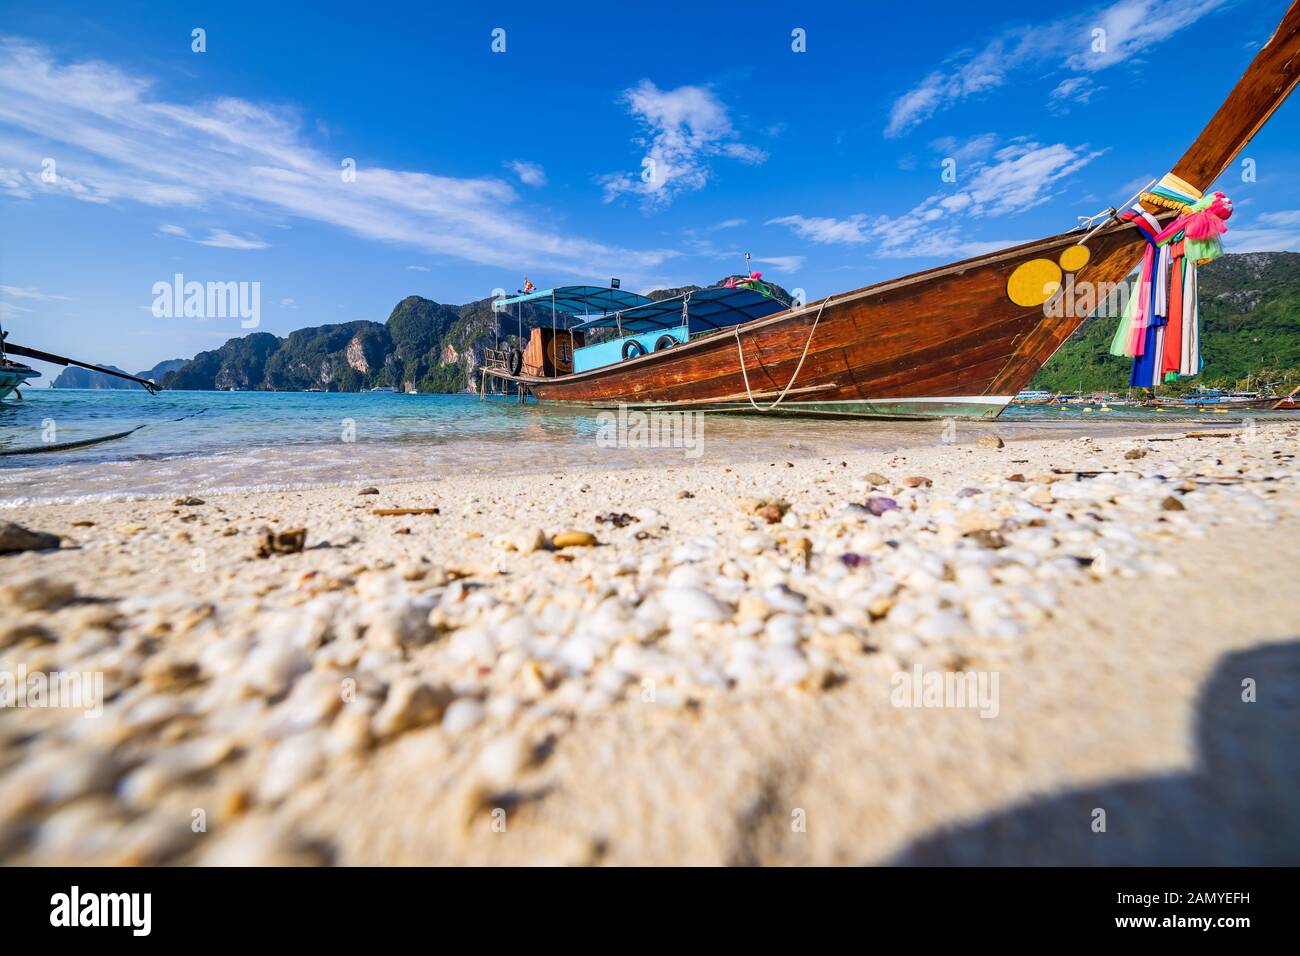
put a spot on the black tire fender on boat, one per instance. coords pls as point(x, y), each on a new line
point(515, 361)
point(664, 342)
point(632, 349)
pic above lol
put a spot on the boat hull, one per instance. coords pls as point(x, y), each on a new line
point(944, 343)
point(13, 377)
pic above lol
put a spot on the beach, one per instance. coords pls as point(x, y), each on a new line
point(951, 650)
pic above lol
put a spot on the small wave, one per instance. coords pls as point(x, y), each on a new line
point(287, 442)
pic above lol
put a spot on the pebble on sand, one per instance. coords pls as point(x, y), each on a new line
point(410, 704)
point(37, 594)
point(463, 714)
point(15, 538)
point(770, 510)
point(282, 542)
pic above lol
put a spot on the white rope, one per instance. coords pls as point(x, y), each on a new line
point(1085, 221)
point(749, 393)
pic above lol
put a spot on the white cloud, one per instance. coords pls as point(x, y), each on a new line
point(23, 183)
point(217, 238)
point(1016, 177)
point(418, 268)
point(1269, 232)
point(928, 241)
point(1072, 89)
point(19, 292)
point(1021, 176)
point(530, 174)
point(1263, 240)
point(683, 129)
point(124, 143)
point(1071, 43)
point(783, 263)
point(975, 148)
point(221, 239)
point(288, 304)
point(825, 230)
point(1284, 217)
point(1131, 28)
point(731, 224)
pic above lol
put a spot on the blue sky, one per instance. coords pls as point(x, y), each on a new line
point(475, 168)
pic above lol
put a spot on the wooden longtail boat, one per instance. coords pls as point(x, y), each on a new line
point(948, 341)
point(12, 374)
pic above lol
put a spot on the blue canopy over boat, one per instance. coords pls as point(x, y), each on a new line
point(706, 310)
point(578, 299)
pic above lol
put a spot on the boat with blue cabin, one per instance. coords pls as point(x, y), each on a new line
point(955, 340)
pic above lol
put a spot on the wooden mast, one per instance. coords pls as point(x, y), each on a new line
point(1261, 90)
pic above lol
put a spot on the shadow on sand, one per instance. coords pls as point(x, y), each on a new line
point(1240, 805)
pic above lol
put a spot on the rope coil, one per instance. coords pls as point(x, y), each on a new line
point(749, 392)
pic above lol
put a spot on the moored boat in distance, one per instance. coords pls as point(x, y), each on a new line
point(957, 340)
point(1290, 402)
point(1035, 397)
point(13, 374)
point(1207, 398)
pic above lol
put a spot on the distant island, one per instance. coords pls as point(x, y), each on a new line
point(424, 345)
point(1250, 330)
point(72, 377)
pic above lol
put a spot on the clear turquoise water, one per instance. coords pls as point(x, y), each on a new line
point(217, 441)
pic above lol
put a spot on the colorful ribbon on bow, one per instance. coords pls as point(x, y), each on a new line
point(1160, 328)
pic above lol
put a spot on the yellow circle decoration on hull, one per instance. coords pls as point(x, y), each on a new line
point(1074, 258)
point(1034, 282)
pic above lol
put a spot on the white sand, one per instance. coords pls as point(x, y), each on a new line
point(430, 689)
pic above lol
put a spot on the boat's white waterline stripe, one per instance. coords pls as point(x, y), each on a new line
point(964, 399)
point(813, 400)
